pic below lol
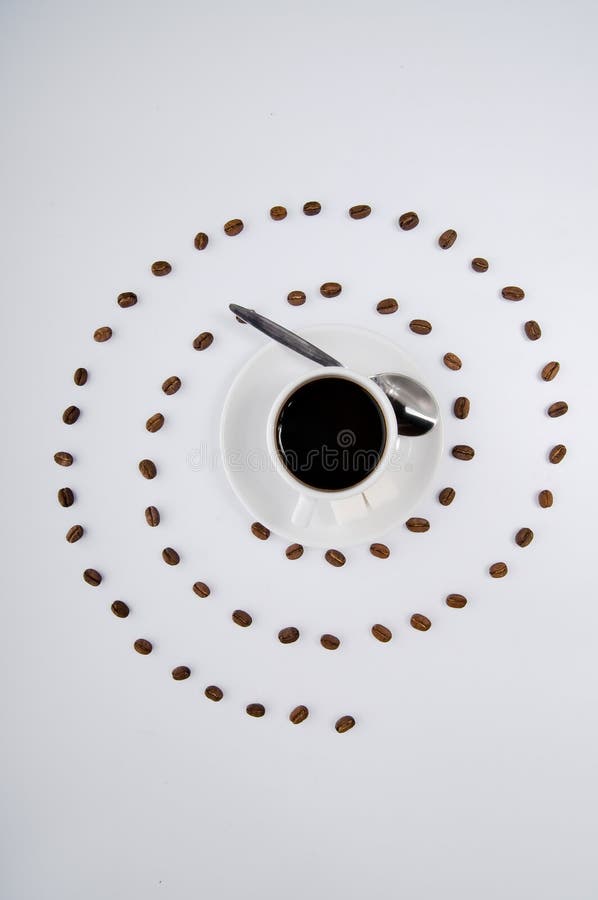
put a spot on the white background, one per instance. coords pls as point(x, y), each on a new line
point(127, 127)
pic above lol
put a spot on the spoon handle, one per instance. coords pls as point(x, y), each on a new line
point(284, 336)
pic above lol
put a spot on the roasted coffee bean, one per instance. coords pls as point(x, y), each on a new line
point(103, 334)
point(233, 227)
point(533, 330)
point(203, 340)
point(256, 710)
point(329, 642)
point(479, 264)
point(408, 221)
point(66, 496)
point(446, 496)
point(143, 646)
point(74, 534)
point(148, 468)
point(180, 673)
point(126, 299)
point(498, 570)
point(201, 589)
point(361, 211)
point(545, 499)
point(511, 292)
point(462, 451)
point(387, 307)
point(380, 551)
point(201, 240)
point(312, 208)
point(63, 458)
point(120, 609)
point(417, 525)
point(557, 454)
point(288, 635)
point(260, 531)
point(345, 723)
point(452, 361)
point(80, 377)
point(557, 409)
point(524, 537)
point(170, 556)
point(242, 618)
point(420, 326)
point(298, 715)
point(70, 415)
point(294, 551)
point(456, 601)
point(550, 370)
point(461, 407)
point(213, 692)
point(296, 298)
point(171, 385)
point(154, 423)
point(447, 238)
point(382, 633)
point(420, 622)
point(330, 289)
point(278, 213)
point(335, 558)
point(161, 267)
point(92, 577)
point(152, 516)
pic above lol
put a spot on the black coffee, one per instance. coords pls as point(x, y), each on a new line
point(331, 433)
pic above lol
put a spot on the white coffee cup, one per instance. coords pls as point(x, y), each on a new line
point(352, 502)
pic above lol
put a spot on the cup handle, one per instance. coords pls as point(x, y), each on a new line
point(303, 512)
point(347, 510)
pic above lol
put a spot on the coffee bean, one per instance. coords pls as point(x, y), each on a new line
point(103, 334)
point(335, 558)
point(203, 340)
point(557, 454)
point(200, 242)
point(461, 407)
point(452, 361)
point(329, 642)
point(120, 609)
point(345, 723)
point(361, 211)
point(294, 551)
point(382, 633)
point(420, 326)
point(66, 497)
point(92, 577)
point(312, 208)
point(161, 267)
point(298, 715)
point(278, 213)
point(233, 227)
point(171, 385)
point(420, 622)
point(446, 496)
point(408, 221)
point(201, 589)
point(180, 673)
point(545, 499)
point(63, 458)
point(498, 570)
point(479, 264)
point(242, 618)
point(513, 293)
point(70, 415)
point(143, 646)
point(260, 531)
point(213, 692)
point(387, 307)
point(380, 551)
point(296, 298)
point(462, 451)
point(524, 537)
point(550, 370)
point(148, 468)
point(456, 601)
point(288, 635)
point(557, 409)
point(74, 534)
point(256, 710)
point(533, 330)
point(170, 556)
point(447, 238)
point(155, 423)
point(80, 377)
point(126, 299)
point(419, 526)
point(330, 289)
point(152, 516)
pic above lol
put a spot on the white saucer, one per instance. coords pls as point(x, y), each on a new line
point(245, 455)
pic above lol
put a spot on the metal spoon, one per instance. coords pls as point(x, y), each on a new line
point(415, 407)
